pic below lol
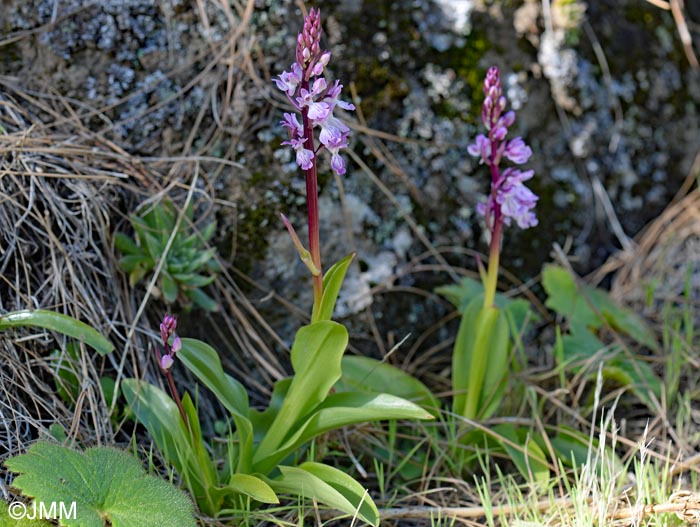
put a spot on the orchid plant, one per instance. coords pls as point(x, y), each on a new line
point(315, 99)
point(481, 353)
point(262, 448)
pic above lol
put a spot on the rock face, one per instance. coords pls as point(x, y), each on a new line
point(603, 91)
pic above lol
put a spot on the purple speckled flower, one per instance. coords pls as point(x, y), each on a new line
point(313, 96)
point(509, 200)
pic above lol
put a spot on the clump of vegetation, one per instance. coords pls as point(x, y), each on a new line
point(168, 244)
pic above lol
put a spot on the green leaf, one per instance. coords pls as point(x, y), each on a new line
point(107, 384)
point(11, 520)
point(203, 300)
point(517, 309)
point(202, 360)
point(66, 380)
point(154, 246)
point(370, 375)
point(570, 446)
point(193, 280)
point(253, 487)
point(60, 323)
point(332, 282)
point(155, 410)
point(480, 361)
point(328, 486)
point(316, 355)
point(343, 409)
point(106, 485)
point(134, 262)
point(125, 244)
point(530, 460)
point(638, 376)
point(168, 287)
point(590, 307)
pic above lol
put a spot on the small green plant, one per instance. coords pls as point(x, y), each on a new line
point(98, 487)
point(189, 263)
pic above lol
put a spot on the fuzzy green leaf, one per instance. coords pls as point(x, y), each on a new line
point(107, 485)
point(60, 323)
point(9, 519)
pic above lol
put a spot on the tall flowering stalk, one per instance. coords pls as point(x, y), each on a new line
point(166, 360)
point(315, 99)
point(480, 359)
point(509, 199)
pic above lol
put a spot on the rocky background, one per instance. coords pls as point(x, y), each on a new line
point(606, 94)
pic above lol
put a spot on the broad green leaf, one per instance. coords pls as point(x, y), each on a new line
point(570, 446)
point(202, 360)
point(638, 376)
point(316, 355)
point(590, 307)
point(184, 450)
point(333, 490)
point(60, 323)
point(208, 232)
point(106, 485)
point(8, 519)
point(155, 410)
point(343, 409)
point(480, 361)
point(530, 461)
point(581, 344)
point(370, 375)
point(253, 487)
point(332, 282)
point(462, 356)
point(353, 491)
point(517, 309)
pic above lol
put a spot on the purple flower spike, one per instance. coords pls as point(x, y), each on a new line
point(509, 199)
point(315, 98)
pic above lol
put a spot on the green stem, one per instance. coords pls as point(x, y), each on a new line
point(494, 256)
